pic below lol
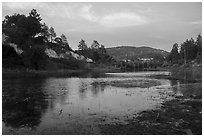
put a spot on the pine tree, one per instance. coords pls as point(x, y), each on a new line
point(174, 55)
point(52, 34)
point(82, 45)
point(95, 45)
point(64, 39)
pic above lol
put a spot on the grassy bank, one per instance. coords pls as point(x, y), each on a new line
point(180, 116)
point(176, 117)
point(88, 72)
point(186, 74)
point(11, 73)
point(129, 83)
point(104, 69)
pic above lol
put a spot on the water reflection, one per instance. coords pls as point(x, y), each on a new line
point(65, 104)
point(187, 76)
point(83, 90)
point(23, 102)
point(189, 83)
point(187, 90)
point(95, 89)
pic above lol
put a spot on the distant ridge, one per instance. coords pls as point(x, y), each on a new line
point(133, 53)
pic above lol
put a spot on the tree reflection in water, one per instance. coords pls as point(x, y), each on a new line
point(23, 103)
point(187, 84)
point(83, 90)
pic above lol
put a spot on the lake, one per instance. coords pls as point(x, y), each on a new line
point(79, 105)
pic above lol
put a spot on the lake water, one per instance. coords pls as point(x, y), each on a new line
point(75, 105)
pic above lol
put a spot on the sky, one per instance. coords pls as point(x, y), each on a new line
point(153, 24)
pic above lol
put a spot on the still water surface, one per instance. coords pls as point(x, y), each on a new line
point(77, 106)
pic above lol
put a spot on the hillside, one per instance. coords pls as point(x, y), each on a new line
point(133, 53)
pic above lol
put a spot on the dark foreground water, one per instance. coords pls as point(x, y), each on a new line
point(79, 105)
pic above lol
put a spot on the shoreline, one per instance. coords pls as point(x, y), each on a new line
point(181, 115)
point(175, 117)
point(11, 73)
point(6, 72)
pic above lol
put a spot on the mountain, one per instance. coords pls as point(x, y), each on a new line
point(134, 53)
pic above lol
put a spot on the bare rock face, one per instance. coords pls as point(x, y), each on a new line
point(52, 54)
point(18, 50)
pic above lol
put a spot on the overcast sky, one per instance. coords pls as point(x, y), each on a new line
point(157, 25)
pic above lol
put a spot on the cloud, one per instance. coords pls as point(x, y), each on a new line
point(87, 13)
point(73, 11)
point(122, 20)
point(196, 22)
point(79, 11)
point(76, 13)
point(62, 11)
point(21, 5)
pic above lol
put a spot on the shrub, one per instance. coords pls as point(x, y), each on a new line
point(35, 57)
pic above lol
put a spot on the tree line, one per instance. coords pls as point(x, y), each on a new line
point(96, 51)
point(186, 52)
point(33, 37)
point(26, 31)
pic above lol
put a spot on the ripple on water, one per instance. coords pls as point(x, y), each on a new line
point(77, 105)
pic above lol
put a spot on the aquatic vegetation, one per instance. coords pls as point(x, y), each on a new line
point(141, 83)
point(101, 105)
